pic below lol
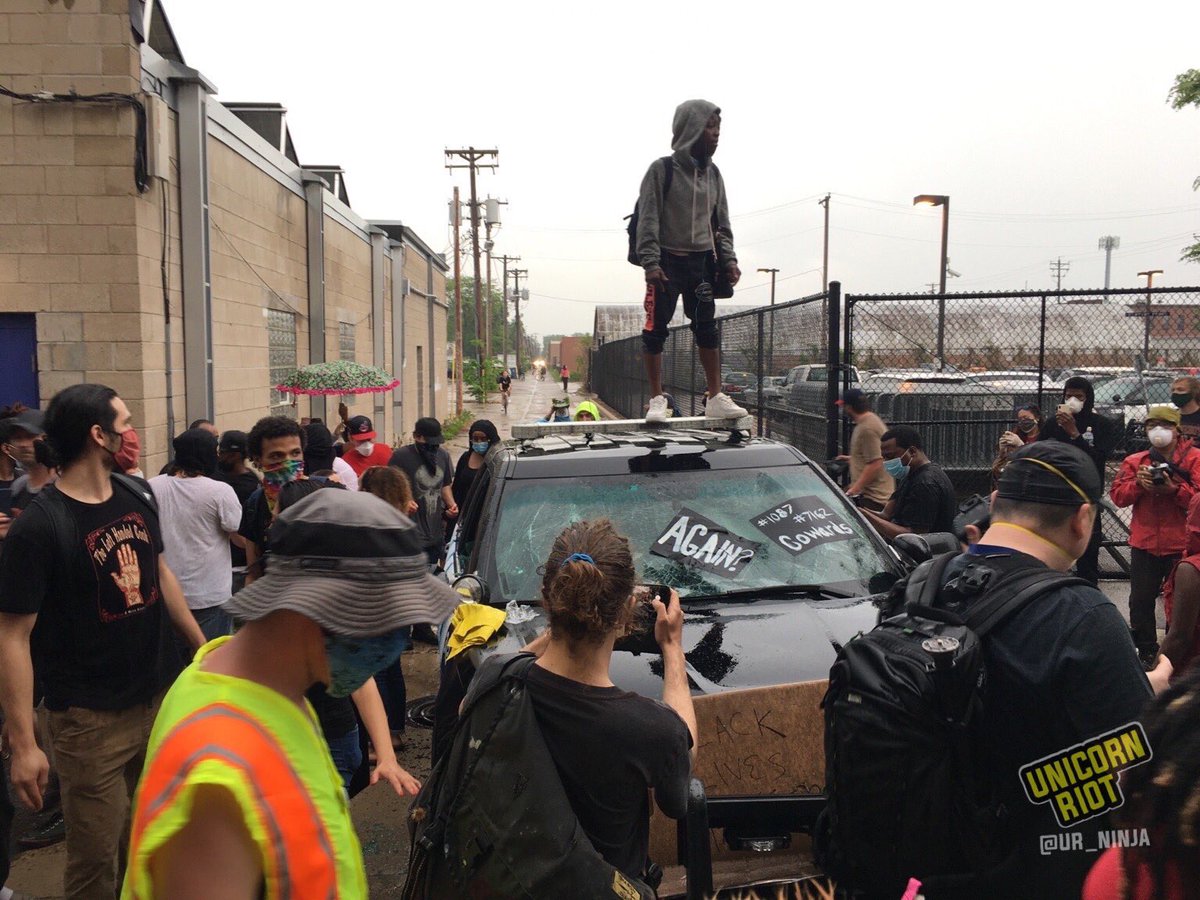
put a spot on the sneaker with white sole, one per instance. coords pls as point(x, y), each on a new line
point(657, 412)
point(721, 407)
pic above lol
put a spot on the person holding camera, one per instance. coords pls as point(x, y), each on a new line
point(1158, 483)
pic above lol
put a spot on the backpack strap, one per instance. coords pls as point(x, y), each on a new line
point(66, 535)
point(138, 488)
point(668, 165)
point(509, 666)
point(926, 580)
point(1010, 595)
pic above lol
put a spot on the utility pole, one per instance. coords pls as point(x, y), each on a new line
point(825, 252)
point(516, 274)
point(506, 259)
point(1108, 244)
point(472, 158)
point(456, 223)
point(1058, 269)
point(1149, 276)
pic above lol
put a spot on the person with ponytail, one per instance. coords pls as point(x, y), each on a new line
point(609, 744)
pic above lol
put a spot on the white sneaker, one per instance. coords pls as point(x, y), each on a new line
point(721, 407)
point(657, 411)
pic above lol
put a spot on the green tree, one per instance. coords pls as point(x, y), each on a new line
point(494, 313)
point(1186, 92)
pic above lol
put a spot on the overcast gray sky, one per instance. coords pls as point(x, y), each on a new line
point(1045, 123)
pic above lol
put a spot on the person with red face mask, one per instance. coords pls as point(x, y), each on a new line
point(87, 600)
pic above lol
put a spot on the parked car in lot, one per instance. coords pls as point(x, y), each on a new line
point(734, 383)
point(1125, 399)
point(772, 388)
point(774, 567)
point(804, 386)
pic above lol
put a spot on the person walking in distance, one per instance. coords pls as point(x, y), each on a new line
point(684, 242)
point(566, 376)
point(88, 601)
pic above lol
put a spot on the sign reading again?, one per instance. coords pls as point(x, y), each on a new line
point(701, 543)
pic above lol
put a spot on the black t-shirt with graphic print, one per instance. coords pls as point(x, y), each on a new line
point(103, 638)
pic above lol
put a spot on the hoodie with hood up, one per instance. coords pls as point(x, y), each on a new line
point(683, 221)
point(1105, 432)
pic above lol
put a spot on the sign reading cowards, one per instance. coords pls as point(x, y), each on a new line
point(701, 543)
point(803, 523)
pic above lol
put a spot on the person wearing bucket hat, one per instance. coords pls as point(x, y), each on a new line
point(238, 784)
point(1061, 669)
point(1158, 484)
point(560, 411)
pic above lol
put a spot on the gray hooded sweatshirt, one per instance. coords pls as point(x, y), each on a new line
point(684, 222)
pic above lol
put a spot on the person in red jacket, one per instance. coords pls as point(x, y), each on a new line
point(362, 451)
point(1158, 483)
point(1181, 603)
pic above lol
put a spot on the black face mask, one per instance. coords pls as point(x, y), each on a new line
point(1026, 425)
point(225, 465)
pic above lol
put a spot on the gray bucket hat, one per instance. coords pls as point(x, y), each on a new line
point(351, 563)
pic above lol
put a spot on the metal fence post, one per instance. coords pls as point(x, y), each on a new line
point(1042, 352)
point(760, 371)
point(833, 367)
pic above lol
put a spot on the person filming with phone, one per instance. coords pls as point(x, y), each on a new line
point(1077, 423)
point(1158, 483)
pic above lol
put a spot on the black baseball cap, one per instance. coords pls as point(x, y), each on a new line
point(430, 429)
point(233, 442)
point(850, 397)
point(29, 420)
point(1050, 472)
point(360, 428)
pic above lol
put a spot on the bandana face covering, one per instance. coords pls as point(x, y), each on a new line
point(277, 476)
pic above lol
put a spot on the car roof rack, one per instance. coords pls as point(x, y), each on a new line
point(610, 426)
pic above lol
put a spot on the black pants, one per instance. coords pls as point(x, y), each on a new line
point(1088, 565)
point(1147, 573)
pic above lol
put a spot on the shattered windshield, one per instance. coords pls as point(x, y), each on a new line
point(703, 533)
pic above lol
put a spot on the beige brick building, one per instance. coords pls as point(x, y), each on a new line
point(192, 287)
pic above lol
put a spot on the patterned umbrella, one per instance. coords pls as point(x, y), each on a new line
point(338, 377)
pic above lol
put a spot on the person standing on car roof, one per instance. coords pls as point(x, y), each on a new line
point(1077, 423)
point(924, 499)
point(1185, 393)
point(683, 235)
point(870, 485)
point(1158, 483)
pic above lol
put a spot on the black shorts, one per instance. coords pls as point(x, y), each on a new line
point(691, 276)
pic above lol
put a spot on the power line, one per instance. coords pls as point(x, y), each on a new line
point(1058, 269)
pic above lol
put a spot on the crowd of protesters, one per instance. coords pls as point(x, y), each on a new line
point(175, 633)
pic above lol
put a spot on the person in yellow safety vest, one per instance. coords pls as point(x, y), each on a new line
point(239, 797)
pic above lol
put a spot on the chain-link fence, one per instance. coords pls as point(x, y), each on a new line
point(774, 362)
point(957, 367)
point(954, 366)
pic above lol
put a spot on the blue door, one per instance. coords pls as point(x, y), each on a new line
point(18, 360)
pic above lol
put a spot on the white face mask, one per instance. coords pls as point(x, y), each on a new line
point(1074, 404)
point(365, 447)
point(1160, 437)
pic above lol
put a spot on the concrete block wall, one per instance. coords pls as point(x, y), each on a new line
point(83, 250)
point(68, 204)
point(258, 240)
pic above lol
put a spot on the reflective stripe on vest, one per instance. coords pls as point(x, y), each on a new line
point(299, 861)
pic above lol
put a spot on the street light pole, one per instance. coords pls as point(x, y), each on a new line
point(771, 329)
point(943, 201)
point(1149, 276)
